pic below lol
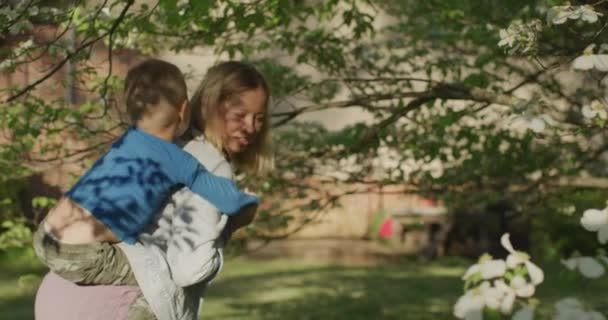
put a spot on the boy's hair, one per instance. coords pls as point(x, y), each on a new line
point(221, 83)
point(148, 84)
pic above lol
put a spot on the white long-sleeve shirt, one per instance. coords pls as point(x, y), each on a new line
point(179, 254)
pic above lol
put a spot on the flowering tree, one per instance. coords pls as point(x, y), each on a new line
point(492, 286)
point(447, 113)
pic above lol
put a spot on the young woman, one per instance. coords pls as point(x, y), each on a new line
point(176, 259)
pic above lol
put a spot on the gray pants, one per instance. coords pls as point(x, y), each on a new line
point(89, 264)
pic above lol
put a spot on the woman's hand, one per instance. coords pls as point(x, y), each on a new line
point(244, 218)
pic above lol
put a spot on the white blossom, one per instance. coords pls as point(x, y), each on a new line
point(469, 306)
point(587, 266)
point(568, 210)
point(509, 295)
point(537, 125)
point(588, 14)
point(567, 308)
point(517, 257)
point(507, 37)
point(488, 269)
point(529, 122)
point(535, 175)
point(33, 10)
point(521, 287)
point(596, 220)
point(595, 109)
point(525, 313)
point(435, 168)
point(504, 146)
point(572, 309)
point(591, 61)
point(561, 14)
point(7, 64)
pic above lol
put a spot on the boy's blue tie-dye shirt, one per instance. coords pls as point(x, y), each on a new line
point(127, 186)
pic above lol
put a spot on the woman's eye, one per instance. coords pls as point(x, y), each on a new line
point(238, 115)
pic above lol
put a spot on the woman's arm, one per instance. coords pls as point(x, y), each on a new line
point(196, 226)
point(241, 220)
point(192, 254)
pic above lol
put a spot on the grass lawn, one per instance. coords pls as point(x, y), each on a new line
point(288, 289)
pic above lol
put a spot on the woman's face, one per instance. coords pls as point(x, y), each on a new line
point(243, 119)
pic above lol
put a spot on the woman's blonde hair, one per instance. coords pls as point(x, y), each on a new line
point(221, 83)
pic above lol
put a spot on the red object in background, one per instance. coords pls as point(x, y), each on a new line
point(426, 202)
point(386, 228)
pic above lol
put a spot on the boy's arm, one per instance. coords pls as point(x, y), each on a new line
point(219, 191)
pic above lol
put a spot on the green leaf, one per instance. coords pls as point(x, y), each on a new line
point(477, 80)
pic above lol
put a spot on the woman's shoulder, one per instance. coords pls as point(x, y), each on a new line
point(209, 156)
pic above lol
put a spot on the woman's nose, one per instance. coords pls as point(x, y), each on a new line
point(249, 126)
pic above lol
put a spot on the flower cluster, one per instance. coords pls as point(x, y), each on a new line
point(496, 284)
point(595, 110)
point(561, 14)
point(520, 37)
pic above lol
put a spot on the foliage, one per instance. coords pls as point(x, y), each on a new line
point(483, 292)
point(9, 193)
point(15, 234)
point(563, 211)
point(14, 230)
point(447, 113)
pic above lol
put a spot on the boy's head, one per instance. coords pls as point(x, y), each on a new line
point(155, 92)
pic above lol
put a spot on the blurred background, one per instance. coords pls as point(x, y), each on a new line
point(408, 137)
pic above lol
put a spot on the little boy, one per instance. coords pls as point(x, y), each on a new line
point(126, 187)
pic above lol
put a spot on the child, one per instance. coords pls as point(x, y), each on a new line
point(126, 187)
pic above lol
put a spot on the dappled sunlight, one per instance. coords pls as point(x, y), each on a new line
point(285, 290)
point(289, 289)
point(441, 271)
point(20, 276)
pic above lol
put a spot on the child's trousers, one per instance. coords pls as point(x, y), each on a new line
point(95, 263)
point(90, 264)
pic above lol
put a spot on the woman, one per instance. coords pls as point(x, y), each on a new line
point(182, 252)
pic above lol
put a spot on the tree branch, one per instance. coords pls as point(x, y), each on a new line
point(11, 23)
point(72, 54)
